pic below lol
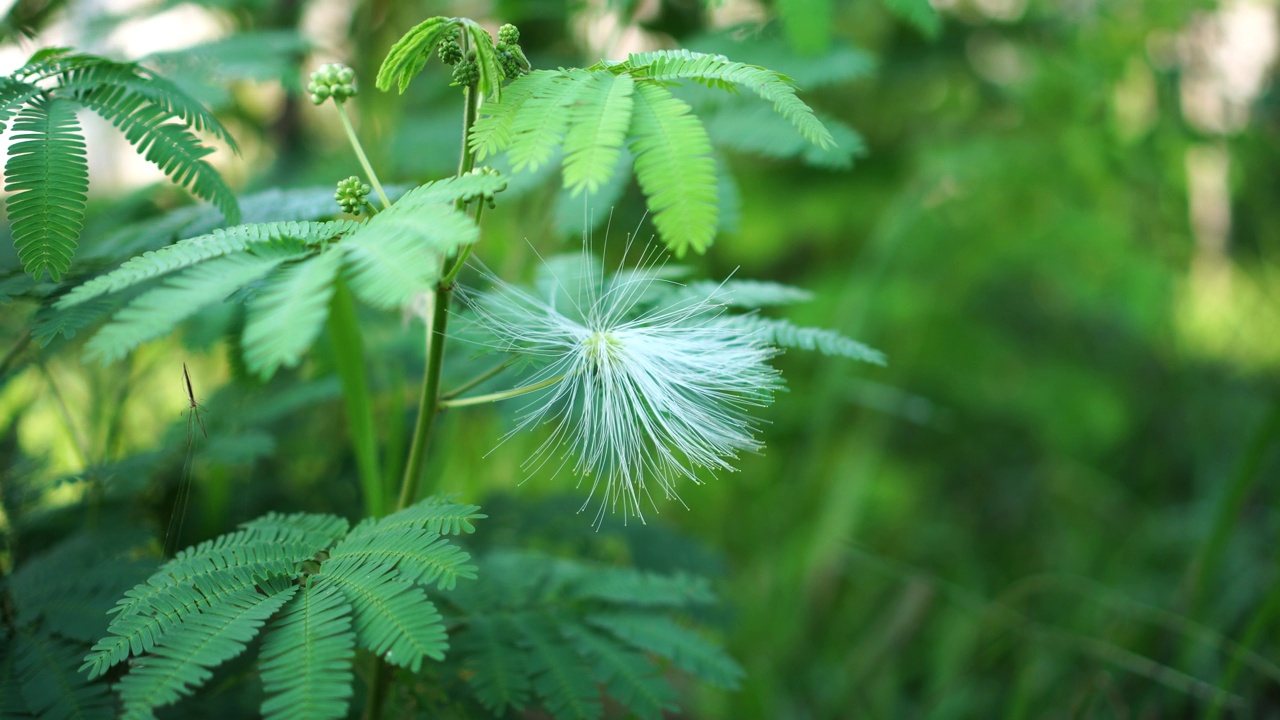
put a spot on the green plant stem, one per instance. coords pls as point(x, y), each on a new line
point(503, 395)
point(493, 372)
point(349, 360)
point(78, 440)
point(429, 403)
point(364, 159)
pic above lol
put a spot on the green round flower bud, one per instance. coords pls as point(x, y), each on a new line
point(508, 34)
point(351, 194)
point(467, 72)
point(449, 49)
point(335, 81)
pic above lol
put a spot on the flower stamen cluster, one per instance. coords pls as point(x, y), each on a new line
point(636, 395)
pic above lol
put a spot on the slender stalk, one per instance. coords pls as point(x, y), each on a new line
point(364, 159)
point(502, 395)
point(486, 375)
point(78, 440)
point(429, 404)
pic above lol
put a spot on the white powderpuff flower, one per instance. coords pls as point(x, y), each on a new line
point(638, 391)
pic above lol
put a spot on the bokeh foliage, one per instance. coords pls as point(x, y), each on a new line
point(1059, 499)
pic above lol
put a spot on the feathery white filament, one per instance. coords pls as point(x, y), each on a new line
point(646, 399)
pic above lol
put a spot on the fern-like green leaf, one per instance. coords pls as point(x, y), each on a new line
point(411, 52)
point(626, 675)
point(675, 168)
point(499, 671)
point(48, 182)
point(204, 640)
point(51, 688)
point(185, 253)
point(171, 146)
point(393, 618)
point(158, 311)
point(559, 679)
point(14, 94)
point(88, 74)
point(827, 342)
point(151, 610)
point(492, 131)
point(756, 129)
point(666, 65)
point(306, 657)
point(288, 313)
point(438, 514)
point(684, 647)
point(542, 120)
point(398, 252)
point(748, 294)
point(598, 125)
point(491, 74)
point(421, 557)
point(320, 531)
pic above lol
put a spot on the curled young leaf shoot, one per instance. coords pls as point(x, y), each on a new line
point(637, 393)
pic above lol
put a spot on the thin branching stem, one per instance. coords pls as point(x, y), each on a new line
point(501, 395)
point(364, 159)
point(482, 377)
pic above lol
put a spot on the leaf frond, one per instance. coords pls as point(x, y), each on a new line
point(492, 131)
point(188, 252)
point(186, 655)
point(718, 70)
point(419, 556)
point(685, 648)
point(438, 514)
point(50, 687)
point(393, 618)
point(543, 118)
point(675, 168)
point(48, 182)
point(828, 342)
point(500, 676)
point(410, 53)
point(598, 124)
point(170, 146)
point(288, 313)
point(306, 657)
point(558, 678)
point(159, 310)
point(626, 675)
point(398, 252)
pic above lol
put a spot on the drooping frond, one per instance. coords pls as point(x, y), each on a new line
point(748, 294)
point(531, 634)
point(720, 71)
point(51, 322)
point(411, 52)
point(666, 638)
point(159, 310)
point(88, 74)
point(306, 657)
point(186, 655)
point(285, 317)
point(492, 131)
point(421, 557)
point(491, 75)
point(598, 123)
point(399, 251)
point(48, 182)
point(393, 618)
point(13, 95)
point(171, 146)
point(45, 669)
point(626, 675)
point(185, 253)
point(827, 342)
point(675, 168)
point(634, 587)
point(151, 610)
point(499, 670)
point(840, 63)
point(543, 119)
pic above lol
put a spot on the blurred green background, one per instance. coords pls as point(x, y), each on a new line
point(1060, 220)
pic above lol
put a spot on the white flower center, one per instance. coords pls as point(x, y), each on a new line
point(603, 349)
